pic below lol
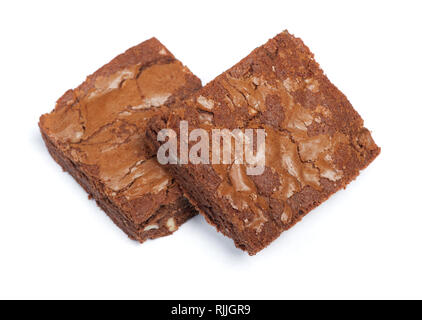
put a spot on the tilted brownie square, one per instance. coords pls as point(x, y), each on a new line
point(315, 142)
point(96, 133)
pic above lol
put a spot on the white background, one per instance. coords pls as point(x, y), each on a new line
point(364, 242)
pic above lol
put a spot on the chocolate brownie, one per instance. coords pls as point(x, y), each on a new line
point(315, 142)
point(96, 133)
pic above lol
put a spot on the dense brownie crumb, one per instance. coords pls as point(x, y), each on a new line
point(315, 142)
point(96, 133)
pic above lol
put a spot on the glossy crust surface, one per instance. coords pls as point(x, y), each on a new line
point(96, 133)
point(315, 142)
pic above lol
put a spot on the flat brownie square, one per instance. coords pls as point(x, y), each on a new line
point(315, 142)
point(96, 133)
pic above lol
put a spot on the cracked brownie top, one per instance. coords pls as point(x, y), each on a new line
point(315, 141)
point(101, 125)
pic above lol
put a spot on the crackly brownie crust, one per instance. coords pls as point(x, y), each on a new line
point(96, 133)
point(315, 142)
